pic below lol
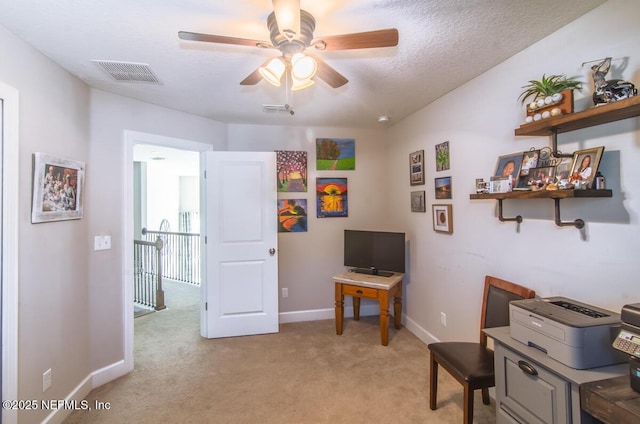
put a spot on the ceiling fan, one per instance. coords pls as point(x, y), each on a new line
point(291, 32)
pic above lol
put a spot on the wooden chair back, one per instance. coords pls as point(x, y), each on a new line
point(495, 302)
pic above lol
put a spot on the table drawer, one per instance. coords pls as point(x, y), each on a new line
point(360, 291)
point(528, 392)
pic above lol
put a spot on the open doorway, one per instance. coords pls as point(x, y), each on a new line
point(152, 146)
point(166, 228)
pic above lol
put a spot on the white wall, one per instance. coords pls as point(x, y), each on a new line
point(53, 294)
point(111, 115)
point(308, 260)
point(479, 119)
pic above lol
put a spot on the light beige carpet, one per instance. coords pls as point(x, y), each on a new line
point(304, 374)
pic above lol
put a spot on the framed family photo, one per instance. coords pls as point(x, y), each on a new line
point(58, 186)
point(585, 165)
point(416, 167)
point(443, 218)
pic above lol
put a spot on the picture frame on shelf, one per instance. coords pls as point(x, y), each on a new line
point(537, 177)
point(529, 161)
point(584, 167)
point(509, 165)
point(442, 218)
point(416, 167)
point(58, 188)
point(418, 203)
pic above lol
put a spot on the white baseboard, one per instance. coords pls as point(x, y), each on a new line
point(418, 331)
point(109, 373)
point(57, 416)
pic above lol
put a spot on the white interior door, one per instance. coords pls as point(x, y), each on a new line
point(240, 267)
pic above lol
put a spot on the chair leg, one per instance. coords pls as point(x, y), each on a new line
point(468, 405)
point(433, 383)
point(485, 396)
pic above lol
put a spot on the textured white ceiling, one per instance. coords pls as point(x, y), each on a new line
point(443, 44)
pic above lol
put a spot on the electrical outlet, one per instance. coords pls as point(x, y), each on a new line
point(46, 380)
point(443, 319)
point(285, 292)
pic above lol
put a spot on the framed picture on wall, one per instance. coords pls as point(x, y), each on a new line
point(416, 167)
point(442, 218)
point(292, 215)
point(58, 186)
point(331, 197)
point(417, 201)
point(443, 188)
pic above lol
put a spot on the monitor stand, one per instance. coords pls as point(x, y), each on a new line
point(372, 271)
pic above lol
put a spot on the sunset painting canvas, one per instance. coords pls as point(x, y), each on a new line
point(331, 196)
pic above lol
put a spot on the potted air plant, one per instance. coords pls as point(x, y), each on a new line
point(548, 90)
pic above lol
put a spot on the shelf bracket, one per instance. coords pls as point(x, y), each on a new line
point(517, 218)
point(578, 223)
point(554, 143)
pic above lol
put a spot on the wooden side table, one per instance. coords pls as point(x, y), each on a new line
point(370, 287)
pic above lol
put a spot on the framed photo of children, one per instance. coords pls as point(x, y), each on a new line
point(584, 167)
point(58, 186)
point(509, 166)
point(416, 167)
point(442, 218)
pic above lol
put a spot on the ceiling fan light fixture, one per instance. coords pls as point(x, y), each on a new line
point(273, 71)
point(288, 17)
point(301, 84)
point(303, 67)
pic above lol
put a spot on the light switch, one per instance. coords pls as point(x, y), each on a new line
point(102, 243)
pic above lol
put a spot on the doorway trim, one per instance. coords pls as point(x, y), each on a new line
point(131, 138)
point(10, 200)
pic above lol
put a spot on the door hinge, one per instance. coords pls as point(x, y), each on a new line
point(205, 175)
point(205, 239)
point(206, 306)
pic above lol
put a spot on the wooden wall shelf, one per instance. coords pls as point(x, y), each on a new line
point(543, 194)
point(597, 115)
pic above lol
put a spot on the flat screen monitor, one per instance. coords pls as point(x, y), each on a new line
point(373, 252)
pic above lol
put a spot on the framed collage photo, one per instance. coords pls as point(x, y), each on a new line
point(416, 167)
point(58, 188)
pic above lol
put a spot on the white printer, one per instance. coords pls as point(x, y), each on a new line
point(573, 333)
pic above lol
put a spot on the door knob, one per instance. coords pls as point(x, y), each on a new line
point(272, 251)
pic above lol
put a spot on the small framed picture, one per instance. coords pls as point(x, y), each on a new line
point(509, 166)
point(529, 160)
point(443, 218)
point(442, 156)
point(417, 201)
point(584, 167)
point(58, 188)
point(416, 167)
point(443, 188)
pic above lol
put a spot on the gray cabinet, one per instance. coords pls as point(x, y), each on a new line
point(532, 388)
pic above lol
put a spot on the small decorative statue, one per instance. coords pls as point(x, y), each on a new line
point(608, 91)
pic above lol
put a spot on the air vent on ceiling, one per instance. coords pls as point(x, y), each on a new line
point(128, 71)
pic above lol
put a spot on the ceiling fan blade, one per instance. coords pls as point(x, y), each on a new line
point(358, 40)
point(254, 77)
point(221, 39)
point(329, 75)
